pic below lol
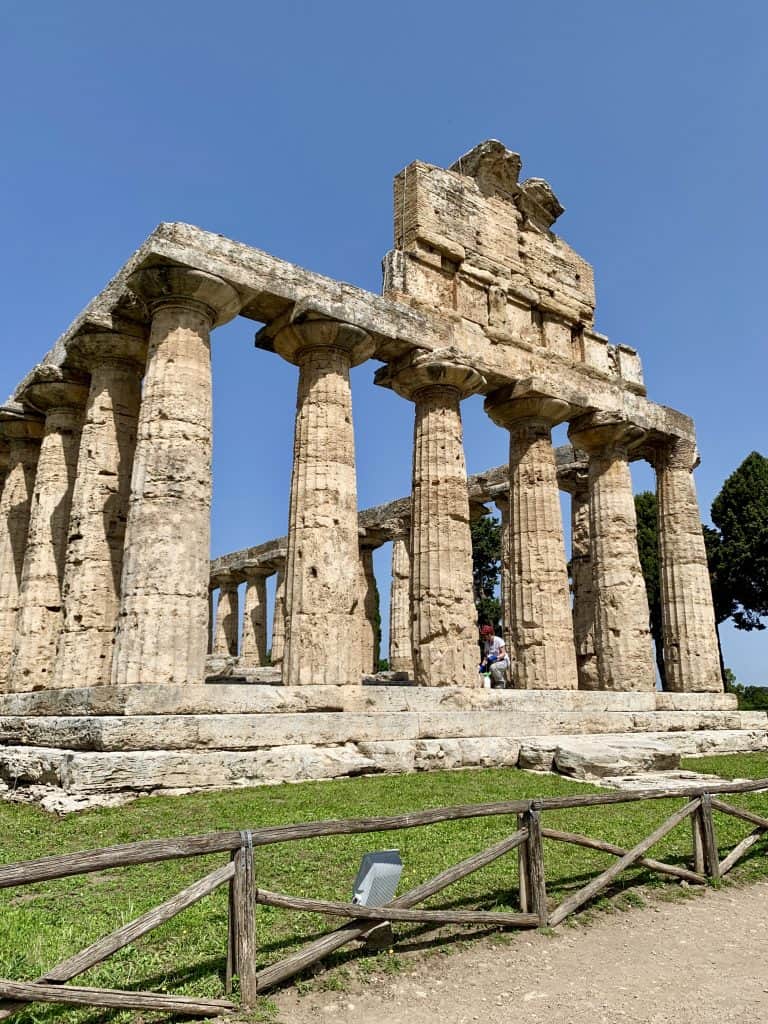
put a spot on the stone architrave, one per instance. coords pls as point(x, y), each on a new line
point(444, 631)
point(583, 587)
point(691, 656)
point(94, 559)
point(542, 624)
point(322, 574)
point(278, 620)
point(622, 633)
point(225, 634)
point(253, 646)
point(400, 653)
point(24, 434)
point(161, 627)
point(369, 608)
point(61, 398)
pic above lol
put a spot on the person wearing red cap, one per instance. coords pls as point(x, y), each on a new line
point(495, 659)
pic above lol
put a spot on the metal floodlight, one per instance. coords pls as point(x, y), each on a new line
point(377, 878)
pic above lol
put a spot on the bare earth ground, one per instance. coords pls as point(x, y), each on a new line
point(698, 961)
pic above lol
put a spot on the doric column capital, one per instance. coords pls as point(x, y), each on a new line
point(295, 339)
point(182, 286)
point(87, 351)
point(51, 388)
point(226, 579)
point(673, 453)
point(18, 424)
point(428, 371)
point(599, 432)
point(526, 405)
point(256, 571)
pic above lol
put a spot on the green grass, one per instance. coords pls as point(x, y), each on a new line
point(44, 923)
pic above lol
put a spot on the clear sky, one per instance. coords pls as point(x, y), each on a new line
point(283, 124)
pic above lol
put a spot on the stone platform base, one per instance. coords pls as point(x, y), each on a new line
point(67, 747)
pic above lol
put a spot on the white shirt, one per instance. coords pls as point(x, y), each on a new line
point(495, 646)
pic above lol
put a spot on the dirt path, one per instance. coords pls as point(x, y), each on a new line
point(698, 961)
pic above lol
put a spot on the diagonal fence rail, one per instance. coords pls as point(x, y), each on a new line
point(245, 896)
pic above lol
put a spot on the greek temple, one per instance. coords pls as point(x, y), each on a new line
point(109, 637)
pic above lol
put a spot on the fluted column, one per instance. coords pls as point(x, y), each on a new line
point(278, 620)
point(541, 620)
point(161, 629)
point(622, 632)
point(253, 646)
point(368, 612)
point(4, 454)
point(691, 658)
point(502, 504)
point(23, 434)
point(400, 653)
point(321, 580)
point(583, 587)
point(61, 398)
point(225, 634)
point(444, 632)
point(94, 557)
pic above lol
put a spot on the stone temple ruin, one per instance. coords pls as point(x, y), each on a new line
point(105, 576)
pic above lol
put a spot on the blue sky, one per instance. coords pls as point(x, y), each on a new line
point(283, 125)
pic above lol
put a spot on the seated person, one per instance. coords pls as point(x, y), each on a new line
point(495, 659)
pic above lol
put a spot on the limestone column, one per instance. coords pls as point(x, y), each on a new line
point(502, 504)
point(622, 633)
point(225, 634)
point(23, 434)
point(3, 463)
point(444, 631)
point(278, 620)
point(61, 398)
point(583, 588)
point(253, 648)
point(400, 654)
point(368, 612)
point(691, 657)
point(94, 558)
point(541, 620)
point(321, 577)
point(210, 618)
point(161, 627)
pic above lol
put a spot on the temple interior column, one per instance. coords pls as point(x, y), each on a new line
point(622, 632)
point(369, 609)
point(278, 619)
point(321, 577)
point(94, 557)
point(227, 626)
point(691, 657)
point(24, 434)
point(253, 648)
point(502, 504)
point(541, 619)
point(61, 398)
point(161, 629)
point(400, 653)
point(583, 587)
point(444, 630)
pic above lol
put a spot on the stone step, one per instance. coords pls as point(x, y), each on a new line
point(251, 732)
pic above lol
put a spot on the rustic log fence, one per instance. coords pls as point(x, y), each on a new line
point(245, 895)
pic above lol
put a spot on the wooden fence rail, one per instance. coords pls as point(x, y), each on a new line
point(245, 896)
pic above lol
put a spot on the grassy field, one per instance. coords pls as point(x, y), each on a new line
point(44, 923)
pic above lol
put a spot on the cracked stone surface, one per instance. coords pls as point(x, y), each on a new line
point(253, 648)
point(400, 654)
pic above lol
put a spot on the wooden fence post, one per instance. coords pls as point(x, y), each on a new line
point(709, 839)
point(241, 957)
point(697, 833)
point(535, 884)
point(523, 870)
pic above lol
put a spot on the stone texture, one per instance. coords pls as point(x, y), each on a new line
point(583, 588)
point(278, 620)
point(61, 399)
point(24, 436)
point(444, 631)
point(227, 624)
point(622, 632)
point(541, 633)
point(94, 557)
point(321, 588)
point(161, 630)
point(505, 573)
point(691, 658)
point(253, 646)
point(591, 759)
point(400, 654)
point(368, 611)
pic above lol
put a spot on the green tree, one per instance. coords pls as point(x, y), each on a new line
point(739, 556)
point(486, 567)
point(646, 508)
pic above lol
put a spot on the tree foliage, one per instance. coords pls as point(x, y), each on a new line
point(486, 568)
point(646, 508)
point(739, 551)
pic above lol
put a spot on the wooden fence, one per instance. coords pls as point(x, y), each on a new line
point(245, 895)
